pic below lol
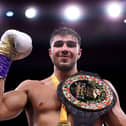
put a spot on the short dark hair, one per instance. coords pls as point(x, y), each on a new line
point(65, 31)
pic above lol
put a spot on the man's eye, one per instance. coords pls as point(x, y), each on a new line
point(71, 44)
point(58, 44)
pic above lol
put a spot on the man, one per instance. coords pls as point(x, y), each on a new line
point(39, 98)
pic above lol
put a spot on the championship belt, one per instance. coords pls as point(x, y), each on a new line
point(86, 97)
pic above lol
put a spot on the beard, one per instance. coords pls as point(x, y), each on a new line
point(65, 67)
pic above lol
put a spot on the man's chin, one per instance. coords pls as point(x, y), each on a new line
point(64, 67)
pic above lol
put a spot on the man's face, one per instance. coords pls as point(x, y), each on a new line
point(64, 52)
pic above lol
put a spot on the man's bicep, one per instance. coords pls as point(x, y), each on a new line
point(12, 104)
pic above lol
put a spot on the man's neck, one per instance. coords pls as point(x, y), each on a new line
point(61, 75)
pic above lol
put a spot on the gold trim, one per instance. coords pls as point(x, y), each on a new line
point(7, 48)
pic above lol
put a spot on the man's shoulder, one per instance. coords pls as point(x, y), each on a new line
point(28, 85)
point(30, 82)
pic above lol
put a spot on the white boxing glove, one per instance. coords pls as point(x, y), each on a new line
point(14, 45)
point(17, 44)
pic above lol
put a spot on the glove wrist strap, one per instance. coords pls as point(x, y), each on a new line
point(5, 64)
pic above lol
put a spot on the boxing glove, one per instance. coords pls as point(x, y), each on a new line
point(14, 45)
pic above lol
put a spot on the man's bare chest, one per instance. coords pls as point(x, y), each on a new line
point(44, 98)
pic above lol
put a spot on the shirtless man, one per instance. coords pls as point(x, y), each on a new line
point(39, 98)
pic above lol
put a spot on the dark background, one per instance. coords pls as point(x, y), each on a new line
point(103, 43)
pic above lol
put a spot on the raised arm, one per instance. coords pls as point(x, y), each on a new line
point(11, 103)
point(116, 116)
point(14, 45)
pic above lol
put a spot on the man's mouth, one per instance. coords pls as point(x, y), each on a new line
point(64, 56)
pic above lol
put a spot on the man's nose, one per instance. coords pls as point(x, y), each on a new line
point(65, 47)
point(64, 52)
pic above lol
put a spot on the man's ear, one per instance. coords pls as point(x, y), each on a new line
point(50, 52)
point(79, 53)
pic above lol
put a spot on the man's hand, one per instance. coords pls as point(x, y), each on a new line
point(14, 45)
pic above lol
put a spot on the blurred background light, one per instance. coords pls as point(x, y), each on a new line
point(114, 9)
point(124, 20)
point(31, 13)
point(72, 12)
point(9, 13)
